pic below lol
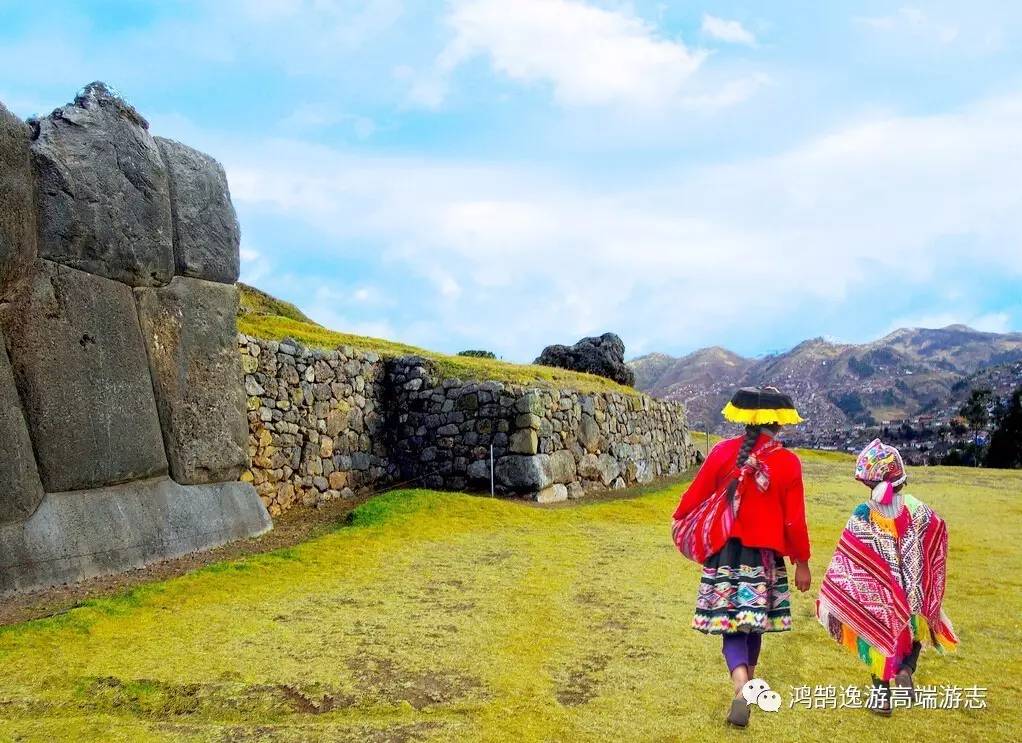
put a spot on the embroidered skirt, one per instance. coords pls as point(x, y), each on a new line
point(743, 589)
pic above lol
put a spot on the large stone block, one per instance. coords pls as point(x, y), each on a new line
point(524, 441)
point(20, 487)
point(82, 534)
point(562, 467)
point(522, 473)
point(190, 336)
point(82, 371)
point(206, 231)
point(554, 494)
point(103, 191)
point(589, 434)
point(17, 202)
point(609, 468)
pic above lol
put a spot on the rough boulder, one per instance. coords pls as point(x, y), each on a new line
point(603, 356)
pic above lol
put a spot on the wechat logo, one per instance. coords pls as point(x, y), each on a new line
point(758, 692)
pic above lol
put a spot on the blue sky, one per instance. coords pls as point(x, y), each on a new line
point(505, 175)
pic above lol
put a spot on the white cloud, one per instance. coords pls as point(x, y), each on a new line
point(728, 93)
point(347, 308)
point(913, 21)
point(587, 55)
point(254, 265)
point(733, 32)
point(515, 258)
point(993, 322)
point(321, 115)
point(326, 25)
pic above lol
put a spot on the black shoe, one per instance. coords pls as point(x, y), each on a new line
point(881, 703)
point(884, 710)
point(739, 712)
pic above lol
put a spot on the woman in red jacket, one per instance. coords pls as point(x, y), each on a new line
point(743, 591)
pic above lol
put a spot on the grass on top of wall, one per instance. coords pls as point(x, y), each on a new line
point(254, 301)
point(266, 317)
point(442, 616)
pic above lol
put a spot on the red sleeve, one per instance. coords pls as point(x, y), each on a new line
point(704, 484)
point(796, 533)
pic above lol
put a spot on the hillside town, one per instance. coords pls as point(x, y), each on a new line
point(926, 438)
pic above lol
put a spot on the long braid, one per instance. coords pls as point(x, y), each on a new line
point(751, 437)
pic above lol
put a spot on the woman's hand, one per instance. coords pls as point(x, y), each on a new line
point(803, 578)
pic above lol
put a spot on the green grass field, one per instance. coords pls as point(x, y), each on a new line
point(440, 616)
point(265, 316)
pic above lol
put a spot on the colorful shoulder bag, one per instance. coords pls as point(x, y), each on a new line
point(707, 527)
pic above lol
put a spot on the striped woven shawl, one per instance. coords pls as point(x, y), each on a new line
point(885, 586)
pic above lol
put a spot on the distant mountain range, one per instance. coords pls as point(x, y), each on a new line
point(908, 373)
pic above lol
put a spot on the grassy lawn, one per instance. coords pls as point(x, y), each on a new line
point(264, 316)
point(449, 617)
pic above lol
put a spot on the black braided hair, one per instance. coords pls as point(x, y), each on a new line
point(751, 437)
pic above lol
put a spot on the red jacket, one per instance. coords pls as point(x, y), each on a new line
point(775, 519)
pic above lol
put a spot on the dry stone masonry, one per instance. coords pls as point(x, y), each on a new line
point(122, 411)
point(548, 444)
point(317, 426)
point(80, 361)
point(103, 191)
point(329, 424)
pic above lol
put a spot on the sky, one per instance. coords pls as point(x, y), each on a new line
point(506, 174)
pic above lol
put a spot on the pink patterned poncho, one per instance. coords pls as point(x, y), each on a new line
point(885, 585)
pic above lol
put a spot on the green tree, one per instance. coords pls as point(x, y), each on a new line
point(1005, 448)
point(975, 408)
point(478, 354)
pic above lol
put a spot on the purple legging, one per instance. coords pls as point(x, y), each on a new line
point(742, 649)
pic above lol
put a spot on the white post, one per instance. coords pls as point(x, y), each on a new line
point(492, 493)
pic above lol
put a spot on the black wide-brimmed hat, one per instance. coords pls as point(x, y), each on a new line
point(761, 406)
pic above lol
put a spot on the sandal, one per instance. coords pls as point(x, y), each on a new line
point(883, 710)
point(903, 679)
point(738, 715)
point(881, 706)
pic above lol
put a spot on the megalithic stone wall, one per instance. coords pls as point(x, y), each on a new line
point(122, 411)
point(21, 490)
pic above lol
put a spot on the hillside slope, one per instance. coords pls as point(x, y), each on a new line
point(908, 372)
point(264, 316)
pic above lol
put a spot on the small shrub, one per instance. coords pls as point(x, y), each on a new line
point(478, 354)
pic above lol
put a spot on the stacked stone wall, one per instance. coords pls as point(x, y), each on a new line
point(136, 424)
point(548, 444)
point(329, 424)
point(317, 423)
